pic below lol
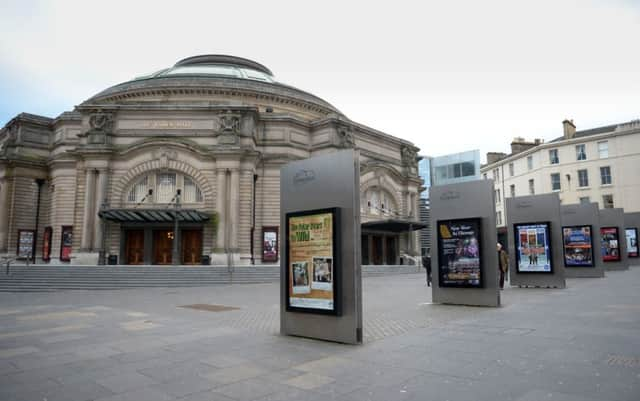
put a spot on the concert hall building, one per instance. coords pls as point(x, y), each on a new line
point(203, 141)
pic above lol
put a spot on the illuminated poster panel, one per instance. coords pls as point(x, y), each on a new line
point(610, 244)
point(311, 249)
point(270, 244)
point(578, 246)
point(25, 243)
point(533, 252)
point(459, 259)
point(632, 242)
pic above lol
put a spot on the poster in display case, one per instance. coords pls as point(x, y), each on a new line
point(578, 246)
point(533, 249)
point(631, 235)
point(610, 244)
point(312, 268)
point(459, 255)
point(270, 244)
point(66, 243)
point(26, 243)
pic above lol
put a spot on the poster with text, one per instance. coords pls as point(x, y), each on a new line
point(311, 265)
point(459, 259)
point(610, 244)
point(632, 242)
point(25, 243)
point(533, 250)
point(269, 244)
point(578, 246)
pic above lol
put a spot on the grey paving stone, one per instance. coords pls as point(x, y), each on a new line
point(184, 386)
point(126, 382)
point(250, 389)
point(140, 394)
point(235, 373)
point(177, 370)
point(206, 396)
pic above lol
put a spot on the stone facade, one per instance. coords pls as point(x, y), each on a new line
point(221, 138)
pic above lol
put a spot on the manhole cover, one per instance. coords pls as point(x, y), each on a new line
point(210, 308)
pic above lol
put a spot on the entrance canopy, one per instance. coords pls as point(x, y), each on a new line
point(392, 225)
point(153, 215)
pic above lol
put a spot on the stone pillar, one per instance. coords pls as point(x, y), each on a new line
point(101, 191)
point(221, 200)
point(234, 209)
point(87, 216)
point(4, 214)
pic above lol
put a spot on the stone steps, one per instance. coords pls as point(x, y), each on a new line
point(52, 278)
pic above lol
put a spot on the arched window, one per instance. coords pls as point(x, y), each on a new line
point(380, 202)
point(164, 186)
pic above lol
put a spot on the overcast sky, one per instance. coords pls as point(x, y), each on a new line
point(449, 76)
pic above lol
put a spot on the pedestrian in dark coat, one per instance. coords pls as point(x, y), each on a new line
point(503, 264)
point(426, 263)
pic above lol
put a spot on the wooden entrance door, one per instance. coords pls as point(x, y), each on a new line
point(162, 246)
point(134, 247)
point(191, 246)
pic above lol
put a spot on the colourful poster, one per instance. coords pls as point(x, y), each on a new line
point(459, 259)
point(66, 243)
point(610, 246)
point(533, 250)
point(632, 242)
point(578, 248)
point(25, 243)
point(311, 260)
point(269, 244)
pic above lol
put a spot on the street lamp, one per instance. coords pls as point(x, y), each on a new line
point(176, 257)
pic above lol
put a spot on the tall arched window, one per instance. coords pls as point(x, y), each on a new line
point(164, 186)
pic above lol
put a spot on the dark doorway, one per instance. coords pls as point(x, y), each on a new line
point(162, 247)
point(376, 249)
point(365, 249)
point(191, 247)
point(391, 250)
point(134, 247)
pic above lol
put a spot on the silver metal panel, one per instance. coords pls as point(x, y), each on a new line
point(467, 200)
point(581, 214)
point(529, 209)
point(615, 218)
point(331, 180)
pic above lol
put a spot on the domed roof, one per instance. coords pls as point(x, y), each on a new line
point(213, 73)
point(216, 65)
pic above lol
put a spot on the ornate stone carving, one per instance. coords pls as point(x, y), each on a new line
point(101, 125)
point(164, 156)
point(409, 156)
point(229, 123)
point(345, 138)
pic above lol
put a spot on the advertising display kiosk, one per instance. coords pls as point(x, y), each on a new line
point(613, 241)
point(581, 240)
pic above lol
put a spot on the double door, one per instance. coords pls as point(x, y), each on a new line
point(159, 246)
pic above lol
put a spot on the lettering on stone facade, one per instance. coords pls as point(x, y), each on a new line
point(167, 124)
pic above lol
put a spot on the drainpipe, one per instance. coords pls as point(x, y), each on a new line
point(253, 219)
point(40, 183)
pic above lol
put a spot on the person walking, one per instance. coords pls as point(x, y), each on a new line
point(426, 263)
point(503, 264)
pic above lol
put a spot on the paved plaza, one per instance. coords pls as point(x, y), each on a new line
point(580, 343)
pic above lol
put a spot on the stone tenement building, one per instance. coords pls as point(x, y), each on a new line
point(212, 133)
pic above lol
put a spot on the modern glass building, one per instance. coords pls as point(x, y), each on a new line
point(455, 167)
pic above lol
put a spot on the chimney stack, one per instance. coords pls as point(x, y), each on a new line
point(569, 129)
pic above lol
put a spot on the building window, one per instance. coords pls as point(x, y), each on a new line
point(607, 201)
point(532, 190)
point(191, 191)
point(139, 191)
point(530, 162)
point(498, 218)
point(581, 153)
point(512, 190)
point(510, 169)
point(498, 199)
point(553, 156)
point(603, 149)
point(496, 174)
point(583, 178)
point(584, 199)
point(162, 187)
point(605, 175)
point(555, 182)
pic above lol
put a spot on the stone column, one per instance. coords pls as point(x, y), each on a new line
point(87, 216)
point(4, 214)
point(221, 200)
point(234, 209)
point(101, 190)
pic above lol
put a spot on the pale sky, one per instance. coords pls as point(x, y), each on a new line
point(449, 76)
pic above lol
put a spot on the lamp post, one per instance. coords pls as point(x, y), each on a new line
point(39, 183)
point(176, 237)
point(102, 255)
